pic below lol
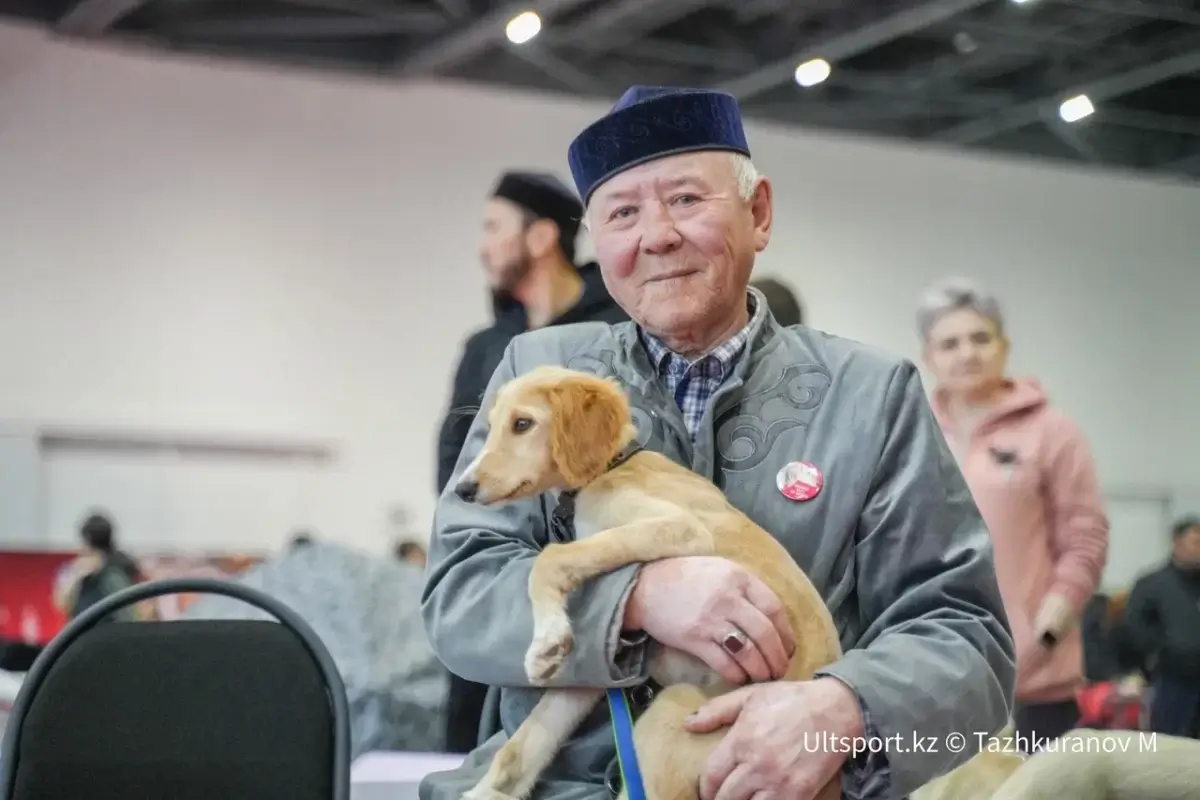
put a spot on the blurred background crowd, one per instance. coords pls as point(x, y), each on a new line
point(193, 247)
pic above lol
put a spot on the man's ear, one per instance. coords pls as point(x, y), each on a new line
point(762, 208)
point(541, 237)
point(585, 420)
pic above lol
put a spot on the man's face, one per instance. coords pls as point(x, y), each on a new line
point(965, 351)
point(1187, 547)
point(503, 249)
point(674, 240)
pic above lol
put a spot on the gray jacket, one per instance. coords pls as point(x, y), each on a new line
point(893, 542)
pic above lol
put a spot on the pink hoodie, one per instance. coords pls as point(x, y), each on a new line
point(1031, 473)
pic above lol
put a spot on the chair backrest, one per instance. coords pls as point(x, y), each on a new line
point(190, 710)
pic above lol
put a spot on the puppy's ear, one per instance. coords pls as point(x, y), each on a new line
point(586, 421)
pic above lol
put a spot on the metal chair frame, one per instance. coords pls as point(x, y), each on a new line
point(96, 613)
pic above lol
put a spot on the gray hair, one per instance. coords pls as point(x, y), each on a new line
point(744, 173)
point(953, 294)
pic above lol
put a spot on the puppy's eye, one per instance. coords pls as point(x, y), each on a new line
point(521, 424)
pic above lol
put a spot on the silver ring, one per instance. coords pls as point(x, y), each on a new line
point(734, 642)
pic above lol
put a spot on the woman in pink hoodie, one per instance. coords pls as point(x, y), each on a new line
point(1031, 473)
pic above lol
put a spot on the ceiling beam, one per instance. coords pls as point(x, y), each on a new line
point(1188, 165)
point(565, 74)
point(94, 17)
point(459, 9)
point(1155, 9)
point(847, 45)
point(474, 38)
point(1073, 139)
point(301, 27)
point(379, 9)
point(1106, 88)
point(620, 21)
point(692, 55)
point(1149, 121)
point(663, 51)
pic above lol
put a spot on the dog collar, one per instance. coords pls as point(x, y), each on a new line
point(562, 521)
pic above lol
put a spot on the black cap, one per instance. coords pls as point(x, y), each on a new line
point(546, 197)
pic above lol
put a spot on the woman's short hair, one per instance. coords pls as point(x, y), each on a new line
point(97, 532)
point(953, 294)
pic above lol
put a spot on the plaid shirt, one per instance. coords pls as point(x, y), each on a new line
point(693, 384)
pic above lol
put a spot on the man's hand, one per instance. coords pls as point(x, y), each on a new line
point(777, 747)
point(1054, 620)
point(694, 603)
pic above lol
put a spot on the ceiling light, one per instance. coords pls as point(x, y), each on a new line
point(1076, 108)
point(523, 27)
point(812, 72)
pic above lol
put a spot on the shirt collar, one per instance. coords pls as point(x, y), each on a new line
point(725, 354)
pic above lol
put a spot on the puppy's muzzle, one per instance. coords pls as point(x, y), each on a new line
point(467, 490)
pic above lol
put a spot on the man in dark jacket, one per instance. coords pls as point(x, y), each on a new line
point(1163, 617)
point(530, 224)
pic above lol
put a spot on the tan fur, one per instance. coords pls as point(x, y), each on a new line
point(1109, 765)
point(555, 428)
point(1084, 764)
point(981, 776)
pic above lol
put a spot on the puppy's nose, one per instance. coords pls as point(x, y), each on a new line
point(467, 491)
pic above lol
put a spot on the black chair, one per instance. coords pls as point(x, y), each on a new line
point(182, 710)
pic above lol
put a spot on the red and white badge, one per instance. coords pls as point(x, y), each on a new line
point(800, 480)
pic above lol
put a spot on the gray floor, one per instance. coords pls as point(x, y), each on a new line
point(383, 791)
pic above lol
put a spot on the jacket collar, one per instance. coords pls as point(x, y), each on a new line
point(761, 334)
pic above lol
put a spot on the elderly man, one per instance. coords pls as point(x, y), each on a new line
point(828, 444)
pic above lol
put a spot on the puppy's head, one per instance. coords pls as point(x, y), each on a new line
point(552, 428)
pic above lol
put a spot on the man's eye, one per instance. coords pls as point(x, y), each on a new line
point(521, 424)
point(622, 212)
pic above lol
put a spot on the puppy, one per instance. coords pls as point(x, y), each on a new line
point(558, 429)
point(981, 776)
point(1088, 764)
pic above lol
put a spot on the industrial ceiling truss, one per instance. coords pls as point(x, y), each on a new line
point(1112, 83)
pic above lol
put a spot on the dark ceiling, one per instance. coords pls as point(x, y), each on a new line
point(986, 74)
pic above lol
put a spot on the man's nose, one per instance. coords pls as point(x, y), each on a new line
point(467, 490)
point(660, 236)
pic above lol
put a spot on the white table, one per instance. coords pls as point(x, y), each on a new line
point(10, 684)
point(395, 776)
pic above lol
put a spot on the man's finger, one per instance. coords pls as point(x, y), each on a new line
point(763, 637)
point(719, 712)
point(720, 763)
point(741, 784)
point(762, 598)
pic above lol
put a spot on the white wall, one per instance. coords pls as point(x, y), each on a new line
point(204, 248)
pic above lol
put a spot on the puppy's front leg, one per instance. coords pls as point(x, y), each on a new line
point(561, 568)
point(518, 764)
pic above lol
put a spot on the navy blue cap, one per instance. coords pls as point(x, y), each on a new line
point(651, 122)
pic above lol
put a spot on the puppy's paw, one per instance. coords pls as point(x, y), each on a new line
point(553, 641)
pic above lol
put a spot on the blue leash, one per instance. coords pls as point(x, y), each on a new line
point(622, 723)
